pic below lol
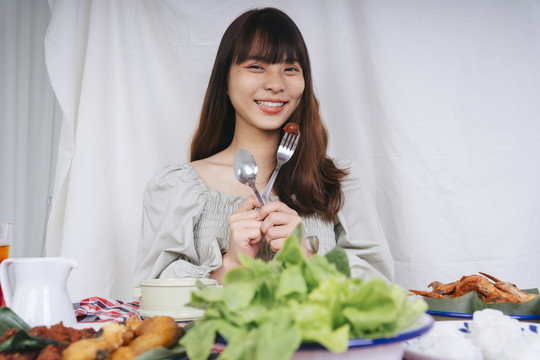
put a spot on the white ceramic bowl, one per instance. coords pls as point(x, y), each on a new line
point(169, 297)
point(369, 349)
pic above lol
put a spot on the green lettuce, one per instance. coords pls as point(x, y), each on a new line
point(266, 310)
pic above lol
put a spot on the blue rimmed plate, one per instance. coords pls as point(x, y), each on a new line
point(470, 315)
point(379, 348)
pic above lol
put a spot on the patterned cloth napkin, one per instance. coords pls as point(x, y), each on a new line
point(96, 309)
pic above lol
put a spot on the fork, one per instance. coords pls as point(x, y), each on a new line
point(284, 153)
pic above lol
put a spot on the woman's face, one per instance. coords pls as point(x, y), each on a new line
point(265, 95)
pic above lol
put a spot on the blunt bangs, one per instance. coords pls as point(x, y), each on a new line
point(270, 38)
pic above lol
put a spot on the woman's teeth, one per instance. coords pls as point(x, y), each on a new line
point(270, 103)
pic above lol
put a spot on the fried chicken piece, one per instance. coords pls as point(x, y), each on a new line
point(515, 295)
point(497, 292)
point(51, 352)
point(59, 332)
point(443, 289)
point(26, 355)
point(485, 289)
point(151, 333)
point(113, 336)
point(429, 294)
point(64, 335)
point(7, 334)
point(490, 292)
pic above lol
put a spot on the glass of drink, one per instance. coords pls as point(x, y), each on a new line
point(5, 233)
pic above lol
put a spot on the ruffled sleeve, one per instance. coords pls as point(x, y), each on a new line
point(359, 231)
point(172, 204)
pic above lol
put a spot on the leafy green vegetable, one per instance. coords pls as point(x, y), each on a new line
point(10, 320)
point(338, 257)
point(21, 340)
point(266, 310)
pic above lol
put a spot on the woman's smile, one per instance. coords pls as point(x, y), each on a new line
point(271, 106)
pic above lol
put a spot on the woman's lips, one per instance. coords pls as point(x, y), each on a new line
point(271, 107)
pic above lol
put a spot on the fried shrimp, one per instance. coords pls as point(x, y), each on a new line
point(113, 336)
point(491, 292)
point(151, 333)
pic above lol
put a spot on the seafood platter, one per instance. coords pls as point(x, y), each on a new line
point(461, 298)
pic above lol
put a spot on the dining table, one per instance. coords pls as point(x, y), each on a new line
point(96, 310)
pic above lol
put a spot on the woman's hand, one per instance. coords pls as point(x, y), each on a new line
point(245, 227)
point(245, 237)
point(278, 222)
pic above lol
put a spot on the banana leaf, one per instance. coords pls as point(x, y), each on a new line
point(10, 320)
point(469, 303)
point(21, 341)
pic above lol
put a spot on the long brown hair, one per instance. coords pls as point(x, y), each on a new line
point(309, 182)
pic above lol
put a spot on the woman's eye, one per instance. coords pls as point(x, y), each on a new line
point(255, 67)
point(292, 69)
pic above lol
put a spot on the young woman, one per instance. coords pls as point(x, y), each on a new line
point(198, 217)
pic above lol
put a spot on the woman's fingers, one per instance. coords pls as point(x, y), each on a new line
point(250, 203)
point(246, 215)
point(276, 235)
point(278, 221)
point(245, 229)
point(248, 234)
point(249, 218)
point(277, 244)
point(275, 206)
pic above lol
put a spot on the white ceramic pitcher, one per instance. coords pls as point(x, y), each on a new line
point(38, 292)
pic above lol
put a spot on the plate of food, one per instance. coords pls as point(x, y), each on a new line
point(305, 308)
point(125, 339)
point(461, 298)
point(466, 315)
point(369, 348)
point(490, 334)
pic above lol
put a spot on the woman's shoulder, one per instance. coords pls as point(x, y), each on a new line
point(217, 173)
point(191, 181)
point(176, 175)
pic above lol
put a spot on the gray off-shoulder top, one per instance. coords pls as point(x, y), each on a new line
point(185, 228)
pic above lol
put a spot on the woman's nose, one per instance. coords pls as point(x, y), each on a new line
point(274, 81)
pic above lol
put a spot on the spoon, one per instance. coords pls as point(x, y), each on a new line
point(245, 170)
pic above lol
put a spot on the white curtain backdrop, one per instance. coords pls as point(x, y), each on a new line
point(27, 113)
point(439, 101)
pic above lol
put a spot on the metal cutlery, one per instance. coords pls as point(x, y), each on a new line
point(245, 170)
point(284, 153)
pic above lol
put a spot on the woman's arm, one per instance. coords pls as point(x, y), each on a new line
point(359, 231)
point(172, 203)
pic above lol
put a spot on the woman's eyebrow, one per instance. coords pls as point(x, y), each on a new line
point(256, 57)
